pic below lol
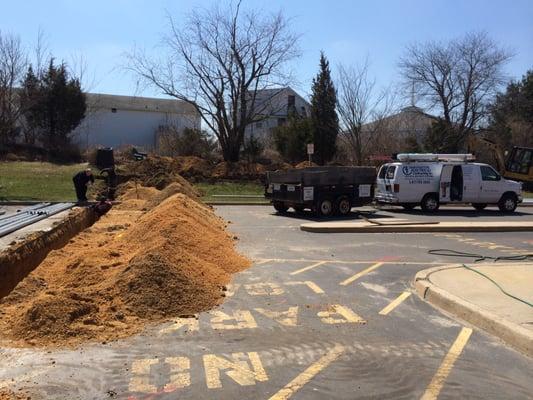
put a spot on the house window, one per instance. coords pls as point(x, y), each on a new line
point(258, 125)
point(281, 121)
point(114, 110)
point(291, 100)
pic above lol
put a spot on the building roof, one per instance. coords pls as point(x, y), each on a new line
point(409, 120)
point(273, 102)
point(134, 103)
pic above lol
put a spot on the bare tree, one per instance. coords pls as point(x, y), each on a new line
point(13, 62)
point(218, 62)
point(362, 110)
point(457, 79)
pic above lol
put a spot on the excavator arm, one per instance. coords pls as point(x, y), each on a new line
point(476, 143)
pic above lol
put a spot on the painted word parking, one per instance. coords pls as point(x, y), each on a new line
point(279, 370)
point(244, 368)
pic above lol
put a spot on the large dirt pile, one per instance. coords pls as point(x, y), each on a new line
point(159, 172)
point(128, 269)
point(241, 170)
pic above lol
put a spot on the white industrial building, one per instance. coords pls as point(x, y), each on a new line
point(115, 121)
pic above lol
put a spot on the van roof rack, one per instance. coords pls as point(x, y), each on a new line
point(435, 157)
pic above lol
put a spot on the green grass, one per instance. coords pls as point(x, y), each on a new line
point(232, 192)
point(21, 180)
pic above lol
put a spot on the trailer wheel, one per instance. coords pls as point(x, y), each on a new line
point(479, 206)
point(343, 205)
point(430, 203)
point(280, 207)
point(325, 208)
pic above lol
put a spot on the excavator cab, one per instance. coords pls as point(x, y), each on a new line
point(516, 165)
point(519, 164)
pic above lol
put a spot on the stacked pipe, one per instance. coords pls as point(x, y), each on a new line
point(30, 215)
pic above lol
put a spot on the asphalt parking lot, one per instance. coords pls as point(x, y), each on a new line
point(317, 316)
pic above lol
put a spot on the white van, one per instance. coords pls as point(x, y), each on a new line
point(428, 180)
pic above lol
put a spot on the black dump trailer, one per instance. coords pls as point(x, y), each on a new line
point(326, 191)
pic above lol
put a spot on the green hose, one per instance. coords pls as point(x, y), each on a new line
point(498, 286)
point(480, 257)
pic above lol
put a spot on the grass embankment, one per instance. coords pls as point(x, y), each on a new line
point(31, 181)
point(229, 192)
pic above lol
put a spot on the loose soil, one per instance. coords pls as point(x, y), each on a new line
point(305, 164)
point(6, 394)
point(131, 268)
point(159, 172)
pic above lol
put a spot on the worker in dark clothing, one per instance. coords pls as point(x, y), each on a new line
point(81, 180)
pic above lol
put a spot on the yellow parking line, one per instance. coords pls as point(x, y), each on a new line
point(297, 383)
point(395, 303)
point(299, 271)
point(435, 386)
point(360, 274)
point(333, 261)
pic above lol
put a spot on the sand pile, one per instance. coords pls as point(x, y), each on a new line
point(130, 268)
point(136, 197)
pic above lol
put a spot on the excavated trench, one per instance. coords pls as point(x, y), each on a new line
point(18, 260)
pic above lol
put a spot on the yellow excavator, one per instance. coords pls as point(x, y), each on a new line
point(516, 164)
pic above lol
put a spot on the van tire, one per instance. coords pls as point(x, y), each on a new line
point(408, 207)
point(280, 207)
point(343, 206)
point(430, 203)
point(325, 207)
point(479, 206)
point(508, 203)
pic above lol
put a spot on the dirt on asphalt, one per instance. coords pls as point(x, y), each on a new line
point(160, 254)
point(6, 394)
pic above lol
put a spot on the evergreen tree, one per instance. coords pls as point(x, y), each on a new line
point(324, 119)
point(54, 105)
point(291, 139)
point(29, 94)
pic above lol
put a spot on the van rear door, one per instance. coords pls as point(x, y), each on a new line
point(380, 181)
point(445, 183)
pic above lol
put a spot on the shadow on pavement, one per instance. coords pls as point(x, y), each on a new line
point(459, 213)
point(310, 216)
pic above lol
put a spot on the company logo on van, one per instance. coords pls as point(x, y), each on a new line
point(420, 171)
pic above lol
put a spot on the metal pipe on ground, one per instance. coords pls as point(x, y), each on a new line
point(50, 210)
point(26, 210)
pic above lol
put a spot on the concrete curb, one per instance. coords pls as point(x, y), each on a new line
point(511, 333)
point(359, 227)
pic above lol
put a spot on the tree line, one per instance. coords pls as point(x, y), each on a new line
point(223, 59)
point(41, 102)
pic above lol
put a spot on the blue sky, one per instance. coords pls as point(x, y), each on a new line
point(347, 31)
